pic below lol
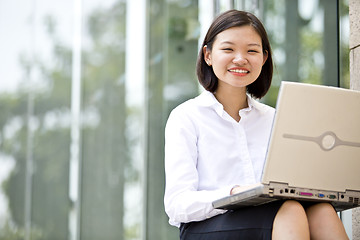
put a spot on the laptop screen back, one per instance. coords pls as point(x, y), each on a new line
point(315, 141)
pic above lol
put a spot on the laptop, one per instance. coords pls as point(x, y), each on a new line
point(313, 152)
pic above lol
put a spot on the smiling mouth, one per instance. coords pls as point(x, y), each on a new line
point(238, 71)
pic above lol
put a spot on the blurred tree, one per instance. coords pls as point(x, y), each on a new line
point(49, 153)
point(104, 147)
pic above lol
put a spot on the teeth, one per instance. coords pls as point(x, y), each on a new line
point(238, 71)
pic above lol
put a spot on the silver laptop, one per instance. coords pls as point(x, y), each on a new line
point(313, 152)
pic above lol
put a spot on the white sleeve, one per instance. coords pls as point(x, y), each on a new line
point(183, 202)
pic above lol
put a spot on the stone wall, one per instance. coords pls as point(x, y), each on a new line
point(354, 13)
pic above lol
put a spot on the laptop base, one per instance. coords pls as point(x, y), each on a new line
point(266, 193)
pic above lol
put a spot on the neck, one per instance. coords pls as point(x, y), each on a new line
point(233, 100)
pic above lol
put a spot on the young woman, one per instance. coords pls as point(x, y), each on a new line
point(216, 143)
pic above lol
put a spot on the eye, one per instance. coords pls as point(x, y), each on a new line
point(227, 49)
point(253, 51)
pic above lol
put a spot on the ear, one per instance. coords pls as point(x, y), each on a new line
point(265, 56)
point(207, 55)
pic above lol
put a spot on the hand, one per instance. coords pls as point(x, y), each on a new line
point(236, 189)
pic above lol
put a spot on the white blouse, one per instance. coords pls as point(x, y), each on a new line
point(207, 152)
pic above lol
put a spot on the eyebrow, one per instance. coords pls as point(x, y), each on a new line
point(250, 44)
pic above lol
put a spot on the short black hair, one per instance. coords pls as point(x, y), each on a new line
point(229, 19)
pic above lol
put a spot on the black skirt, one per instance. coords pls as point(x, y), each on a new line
point(245, 223)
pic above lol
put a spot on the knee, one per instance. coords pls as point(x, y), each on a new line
point(291, 222)
point(321, 211)
point(293, 207)
point(293, 210)
point(324, 222)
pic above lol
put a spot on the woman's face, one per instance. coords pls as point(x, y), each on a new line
point(236, 56)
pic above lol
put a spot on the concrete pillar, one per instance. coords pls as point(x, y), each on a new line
point(354, 44)
point(354, 14)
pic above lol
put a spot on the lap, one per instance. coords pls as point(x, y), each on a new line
point(245, 223)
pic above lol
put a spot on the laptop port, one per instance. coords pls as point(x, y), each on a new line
point(306, 194)
point(292, 191)
point(286, 190)
point(332, 196)
point(321, 195)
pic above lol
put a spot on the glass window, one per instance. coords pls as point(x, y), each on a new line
point(105, 156)
point(172, 50)
point(307, 44)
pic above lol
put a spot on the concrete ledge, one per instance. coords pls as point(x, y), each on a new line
point(354, 44)
point(355, 68)
point(354, 18)
point(356, 223)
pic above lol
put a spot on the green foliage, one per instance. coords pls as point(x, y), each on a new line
point(9, 232)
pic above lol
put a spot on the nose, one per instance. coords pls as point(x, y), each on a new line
point(240, 59)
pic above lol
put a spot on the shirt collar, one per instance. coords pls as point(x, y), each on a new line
point(262, 108)
point(207, 99)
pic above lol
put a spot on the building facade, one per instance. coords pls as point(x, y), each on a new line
point(86, 89)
